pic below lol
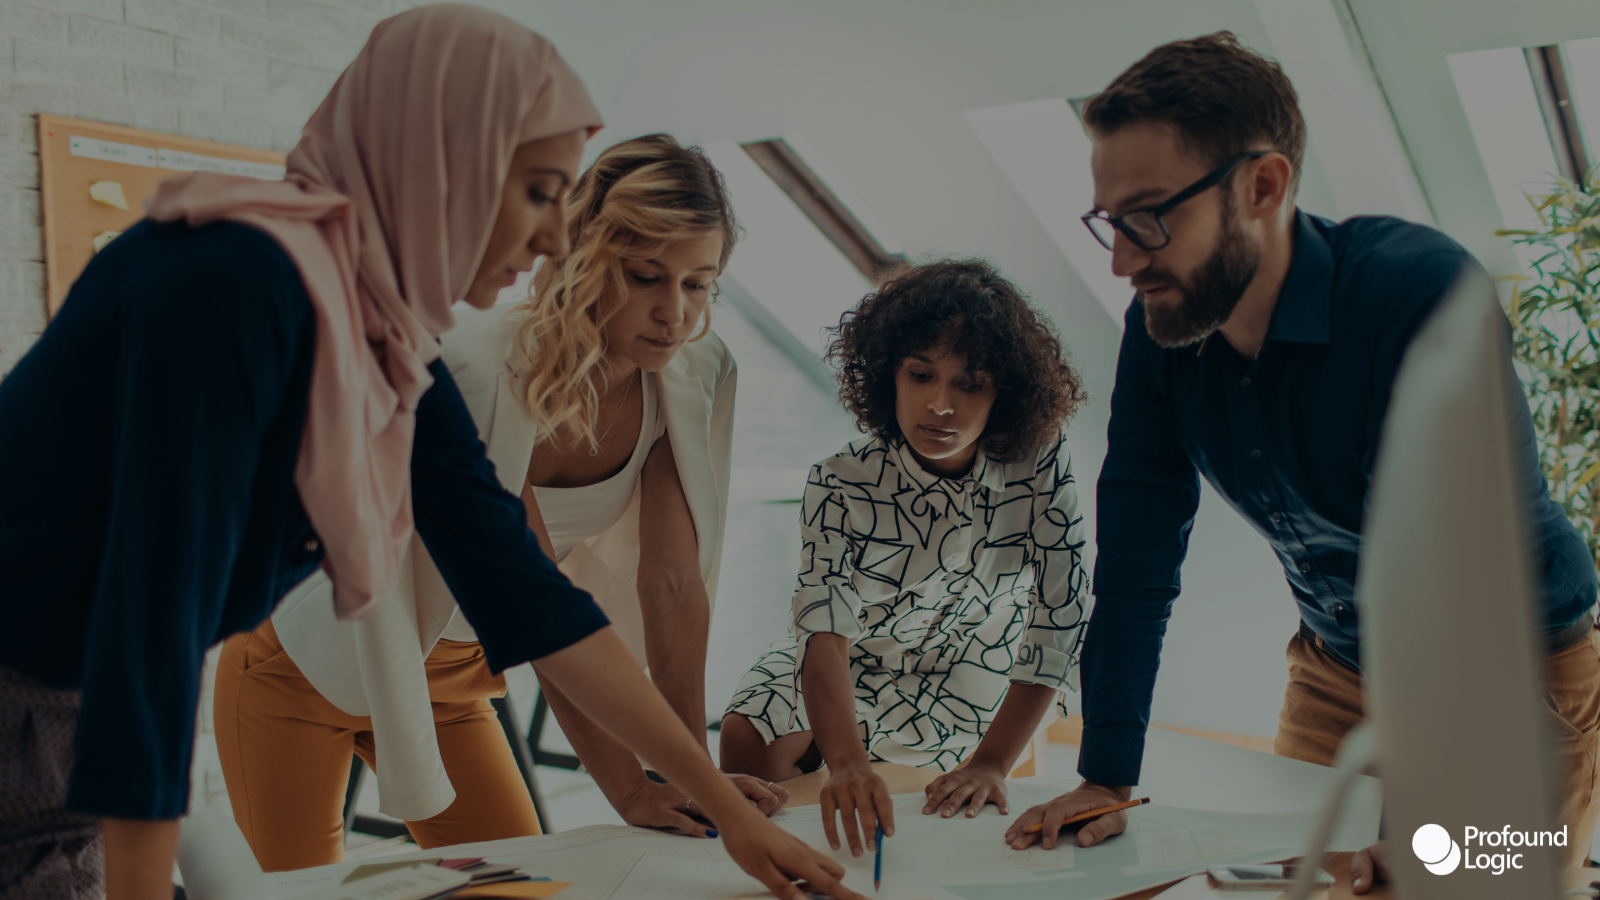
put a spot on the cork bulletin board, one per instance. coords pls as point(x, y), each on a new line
point(94, 179)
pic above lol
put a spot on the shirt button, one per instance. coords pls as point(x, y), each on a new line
point(1337, 608)
point(312, 545)
point(1244, 382)
point(1255, 454)
point(1305, 568)
point(1277, 518)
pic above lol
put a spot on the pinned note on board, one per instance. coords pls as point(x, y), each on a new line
point(108, 192)
point(94, 179)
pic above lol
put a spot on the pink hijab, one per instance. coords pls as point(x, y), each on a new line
point(386, 211)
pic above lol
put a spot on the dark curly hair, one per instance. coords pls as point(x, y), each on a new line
point(985, 318)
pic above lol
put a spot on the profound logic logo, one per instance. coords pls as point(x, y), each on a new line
point(1441, 855)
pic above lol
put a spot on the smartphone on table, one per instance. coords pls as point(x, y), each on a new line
point(1262, 878)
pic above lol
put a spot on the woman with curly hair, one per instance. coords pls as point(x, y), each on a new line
point(940, 603)
point(606, 402)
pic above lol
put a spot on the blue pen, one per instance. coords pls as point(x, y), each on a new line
point(877, 867)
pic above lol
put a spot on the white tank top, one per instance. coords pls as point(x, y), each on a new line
point(575, 514)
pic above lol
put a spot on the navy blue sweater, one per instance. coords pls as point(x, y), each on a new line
point(148, 507)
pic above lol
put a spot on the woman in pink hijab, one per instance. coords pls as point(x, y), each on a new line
point(244, 388)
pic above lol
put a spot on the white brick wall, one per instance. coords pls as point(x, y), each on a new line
point(241, 71)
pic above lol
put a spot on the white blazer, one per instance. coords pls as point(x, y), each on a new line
point(375, 667)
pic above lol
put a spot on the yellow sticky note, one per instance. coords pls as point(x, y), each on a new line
point(104, 238)
point(108, 192)
point(511, 890)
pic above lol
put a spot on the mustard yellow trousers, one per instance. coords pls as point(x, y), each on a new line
point(1324, 700)
point(286, 754)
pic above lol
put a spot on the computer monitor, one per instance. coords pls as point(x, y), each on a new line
point(1449, 642)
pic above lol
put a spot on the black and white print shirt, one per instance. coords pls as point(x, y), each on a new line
point(947, 589)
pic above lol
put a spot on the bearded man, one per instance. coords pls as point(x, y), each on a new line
point(1259, 353)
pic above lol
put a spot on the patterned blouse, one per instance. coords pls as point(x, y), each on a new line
point(947, 589)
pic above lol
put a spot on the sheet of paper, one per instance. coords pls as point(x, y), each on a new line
point(929, 857)
point(967, 858)
point(512, 890)
point(1198, 887)
point(657, 877)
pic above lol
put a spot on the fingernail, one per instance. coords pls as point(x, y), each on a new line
point(970, 813)
point(1357, 881)
point(711, 832)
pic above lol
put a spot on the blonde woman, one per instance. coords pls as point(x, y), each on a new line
point(605, 402)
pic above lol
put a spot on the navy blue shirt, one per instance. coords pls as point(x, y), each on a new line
point(1289, 440)
point(148, 508)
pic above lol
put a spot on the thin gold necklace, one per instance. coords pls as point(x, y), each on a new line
point(621, 405)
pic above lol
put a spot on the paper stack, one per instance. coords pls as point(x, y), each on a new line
point(467, 879)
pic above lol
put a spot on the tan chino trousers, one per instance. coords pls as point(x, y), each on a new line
point(1323, 701)
point(286, 754)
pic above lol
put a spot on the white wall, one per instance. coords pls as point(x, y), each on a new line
point(241, 71)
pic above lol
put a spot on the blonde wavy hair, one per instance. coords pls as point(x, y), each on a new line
point(639, 196)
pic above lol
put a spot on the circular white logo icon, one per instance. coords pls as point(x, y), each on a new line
point(1439, 854)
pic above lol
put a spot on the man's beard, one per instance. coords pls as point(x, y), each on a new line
point(1211, 293)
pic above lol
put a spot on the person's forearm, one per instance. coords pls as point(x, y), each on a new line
point(139, 857)
point(599, 677)
point(677, 622)
point(830, 700)
point(1016, 722)
point(614, 767)
point(1121, 654)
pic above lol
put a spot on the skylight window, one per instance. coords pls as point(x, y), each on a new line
point(784, 262)
point(1503, 110)
point(1040, 147)
point(1583, 67)
point(838, 212)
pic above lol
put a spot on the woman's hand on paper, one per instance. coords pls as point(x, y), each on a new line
point(652, 805)
point(767, 796)
point(779, 860)
point(973, 784)
point(1088, 796)
point(856, 792)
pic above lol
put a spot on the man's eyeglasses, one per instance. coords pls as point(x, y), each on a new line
point(1146, 227)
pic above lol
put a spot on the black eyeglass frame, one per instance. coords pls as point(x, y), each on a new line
point(1158, 211)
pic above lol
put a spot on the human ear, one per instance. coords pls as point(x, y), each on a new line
point(1267, 186)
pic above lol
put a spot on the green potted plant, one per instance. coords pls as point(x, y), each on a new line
point(1556, 317)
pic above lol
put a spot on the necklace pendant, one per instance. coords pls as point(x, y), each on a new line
point(594, 451)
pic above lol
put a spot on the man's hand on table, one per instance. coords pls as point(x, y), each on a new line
point(1050, 815)
point(1369, 867)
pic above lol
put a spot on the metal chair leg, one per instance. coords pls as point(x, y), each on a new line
point(523, 754)
point(539, 755)
point(352, 790)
